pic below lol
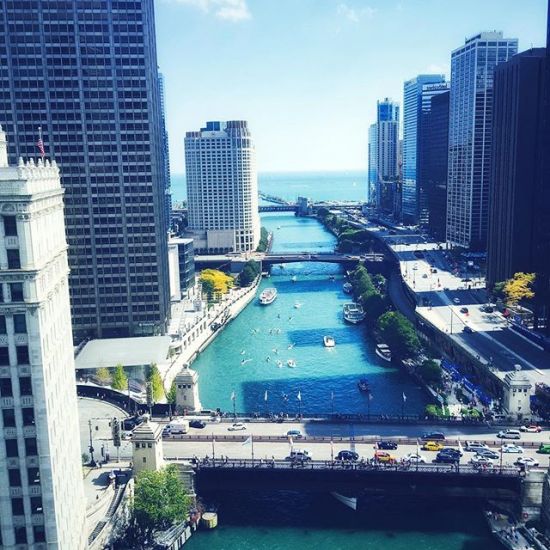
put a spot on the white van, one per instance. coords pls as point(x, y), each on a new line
point(178, 427)
point(299, 455)
point(509, 434)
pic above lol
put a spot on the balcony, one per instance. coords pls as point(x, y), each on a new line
point(35, 490)
point(16, 491)
point(12, 242)
point(27, 401)
point(6, 402)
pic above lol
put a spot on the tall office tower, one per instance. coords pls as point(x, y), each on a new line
point(416, 98)
point(165, 151)
point(387, 145)
point(433, 149)
point(373, 163)
point(515, 165)
point(42, 502)
point(222, 188)
point(87, 73)
point(470, 124)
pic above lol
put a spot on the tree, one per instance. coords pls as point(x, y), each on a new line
point(208, 289)
point(498, 290)
point(249, 273)
point(157, 385)
point(221, 282)
point(119, 378)
point(103, 376)
point(519, 288)
point(374, 305)
point(264, 240)
point(171, 395)
point(430, 372)
point(160, 501)
point(399, 334)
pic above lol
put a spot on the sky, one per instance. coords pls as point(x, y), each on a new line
point(306, 74)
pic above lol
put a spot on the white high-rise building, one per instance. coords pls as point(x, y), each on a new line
point(42, 502)
point(222, 188)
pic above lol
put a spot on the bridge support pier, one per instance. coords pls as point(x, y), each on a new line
point(532, 494)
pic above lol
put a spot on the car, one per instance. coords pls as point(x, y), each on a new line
point(511, 448)
point(509, 434)
point(456, 300)
point(347, 455)
point(451, 451)
point(432, 446)
point(296, 434)
point(468, 329)
point(544, 449)
point(385, 457)
point(238, 426)
point(425, 276)
point(464, 310)
point(532, 429)
point(475, 446)
point(414, 458)
point(527, 461)
point(487, 309)
point(387, 445)
point(446, 458)
point(488, 453)
point(199, 424)
point(299, 455)
point(127, 434)
point(433, 436)
point(481, 460)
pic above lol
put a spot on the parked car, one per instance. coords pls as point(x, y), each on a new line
point(531, 428)
point(299, 454)
point(475, 446)
point(432, 446)
point(509, 434)
point(199, 424)
point(296, 434)
point(527, 461)
point(237, 427)
point(511, 448)
point(488, 453)
point(464, 310)
point(384, 456)
point(347, 455)
point(387, 445)
point(433, 436)
point(414, 458)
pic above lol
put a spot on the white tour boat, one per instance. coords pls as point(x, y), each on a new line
point(268, 296)
point(353, 313)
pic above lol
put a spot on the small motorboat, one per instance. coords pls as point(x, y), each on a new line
point(297, 305)
point(383, 351)
point(291, 363)
point(348, 288)
point(363, 385)
point(294, 278)
point(329, 341)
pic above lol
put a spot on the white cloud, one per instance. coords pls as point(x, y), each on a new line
point(230, 10)
point(355, 15)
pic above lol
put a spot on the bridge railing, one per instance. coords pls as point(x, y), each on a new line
point(227, 463)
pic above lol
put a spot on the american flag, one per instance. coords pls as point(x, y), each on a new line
point(40, 143)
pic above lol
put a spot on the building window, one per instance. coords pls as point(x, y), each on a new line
point(144, 460)
point(22, 355)
point(20, 323)
point(30, 446)
point(20, 535)
point(36, 505)
point(39, 533)
point(17, 507)
point(4, 357)
point(34, 475)
point(8, 416)
point(25, 386)
point(5, 387)
point(11, 448)
point(28, 416)
point(16, 291)
point(2, 324)
point(15, 478)
point(10, 226)
point(14, 261)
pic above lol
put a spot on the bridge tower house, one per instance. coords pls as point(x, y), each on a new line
point(148, 452)
point(187, 390)
point(517, 394)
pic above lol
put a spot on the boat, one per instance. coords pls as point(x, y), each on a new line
point(353, 313)
point(329, 341)
point(348, 288)
point(297, 305)
point(268, 296)
point(511, 535)
point(291, 363)
point(363, 385)
point(294, 278)
point(384, 352)
point(350, 502)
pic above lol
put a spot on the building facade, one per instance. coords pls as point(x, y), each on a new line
point(515, 165)
point(416, 98)
point(42, 502)
point(373, 163)
point(86, 72)
point(222, 188)
point(165, 151)
point(470, 135)
point(433, 148)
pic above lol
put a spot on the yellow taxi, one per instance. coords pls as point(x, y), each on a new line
point(384, 456)
point(432, 446)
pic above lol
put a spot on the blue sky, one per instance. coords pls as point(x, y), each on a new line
point(306, 74)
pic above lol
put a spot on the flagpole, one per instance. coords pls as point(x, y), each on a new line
point(213, 449)
point(252, 446)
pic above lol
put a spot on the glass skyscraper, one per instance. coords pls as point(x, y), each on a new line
point(417, 93)
point(86, 72)
point(470, 130)
point(373, 163)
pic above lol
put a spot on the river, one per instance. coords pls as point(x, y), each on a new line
point(283, 520)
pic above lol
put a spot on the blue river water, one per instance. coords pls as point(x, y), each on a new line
point(250, 356)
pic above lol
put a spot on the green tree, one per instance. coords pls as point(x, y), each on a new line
point(400, 335)
point(171, 395)
point(160, 501)
point(249, 273)
point(208, 289)
point(375, 305)
point(103, 376)
point(264, 240)
point(157, 385)
point(498, 290)
point(430, 372)
point(119, 380)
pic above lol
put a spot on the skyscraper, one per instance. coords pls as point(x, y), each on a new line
point(416, 99)
point(373, 163)
point(42, 502)
point(86, 72)
point(165, 150)
point(470, 132)
point(222, 188)
point(433, 149)
point(515, 165)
